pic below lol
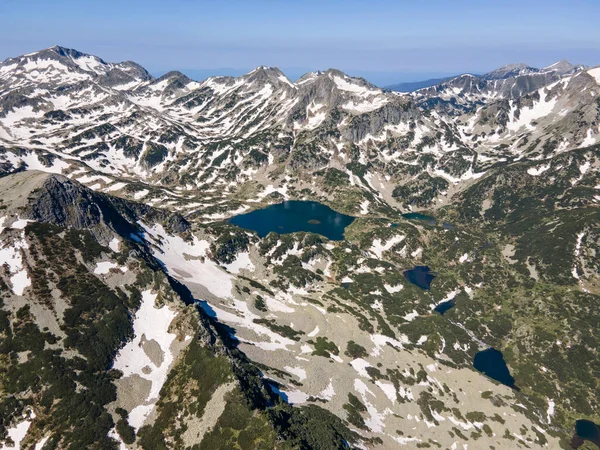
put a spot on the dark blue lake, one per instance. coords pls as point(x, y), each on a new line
point(293, 216)
point(420, 276)
point(586, 430)
point(445, 306)
point(491, 363)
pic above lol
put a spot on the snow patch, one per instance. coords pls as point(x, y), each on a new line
point(243, 317)
point(595, 73)
point(528, 114)
point(150, 324)
point(20, 224)
point(388, 389)
point(376, 419)
point(20, 281)
point(115, 244)
point(10, 254)
point(140, 194)
point(378, 247)
point(393, 289)
point(411, 316)
point(241, 262)
point(328, 392)
point(187, 260)
point(102, 268)
point(18, 432)
point(298, 371)
point(550, 410)
point(576, 253)
point(40, 445)
point(364, 207)
point(380, 341)
point(33, 162)
point(360, 365)
point(417, 252)
point(536, 171)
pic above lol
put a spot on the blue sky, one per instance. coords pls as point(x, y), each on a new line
point(384, 40)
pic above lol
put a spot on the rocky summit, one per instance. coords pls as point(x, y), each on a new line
point(456, 308)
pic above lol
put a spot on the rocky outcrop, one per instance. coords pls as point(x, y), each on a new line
point(57, 200)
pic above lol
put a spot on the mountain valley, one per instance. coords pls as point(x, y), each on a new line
point(136, 314)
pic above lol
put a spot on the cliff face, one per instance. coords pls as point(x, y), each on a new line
point(55, 199)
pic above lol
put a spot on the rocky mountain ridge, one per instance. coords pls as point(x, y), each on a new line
point(90, 305)
point(177, 134)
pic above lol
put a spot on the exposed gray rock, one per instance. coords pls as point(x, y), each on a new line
point(56, 199)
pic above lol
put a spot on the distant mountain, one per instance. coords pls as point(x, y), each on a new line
point(560, 68)
point(414, 85)
point(509, 71)
point(462, 94)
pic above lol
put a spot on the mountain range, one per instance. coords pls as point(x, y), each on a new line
point(134, 315)
point(510, 71)
point(412, 86)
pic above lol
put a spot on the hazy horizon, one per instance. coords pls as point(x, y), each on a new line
point(381, 79)
point(386, 42)
point(293, 73)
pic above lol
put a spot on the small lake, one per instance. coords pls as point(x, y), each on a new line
point(419, 216)
point(425, 218)
point(586, 430)
point(420, 276)
point(445, 306)
point(293, 216)
point(491, 363)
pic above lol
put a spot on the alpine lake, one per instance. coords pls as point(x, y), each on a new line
point(293, 216)
point(298, 215)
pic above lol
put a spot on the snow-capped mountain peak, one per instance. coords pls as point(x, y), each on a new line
point(265, 74)
point(60, 65)
point(509, 71)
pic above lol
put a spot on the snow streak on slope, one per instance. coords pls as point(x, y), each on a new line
point(11, 255)
point(187, 260)
point(150, 325)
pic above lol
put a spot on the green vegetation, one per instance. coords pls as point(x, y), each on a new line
point(517, 293)
point(354, 350)
point(189, 387)
point(154, 154)
point(292, 272)
point(70, 394)
point(225, 249)
point(324, 347)
point(259, 303)
point(420, 192)
point(284, 330)
point(310, 428)
point(355, 408)
point(239, 428)
point(126, 431)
